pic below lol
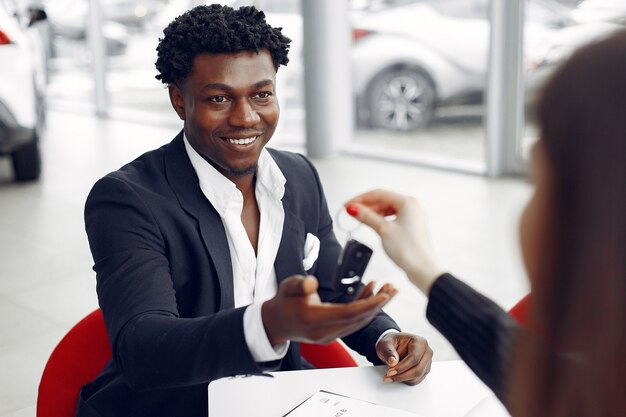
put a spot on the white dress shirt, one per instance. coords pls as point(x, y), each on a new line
point(254, 277)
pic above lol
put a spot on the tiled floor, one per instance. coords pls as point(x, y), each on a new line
point(46, 281)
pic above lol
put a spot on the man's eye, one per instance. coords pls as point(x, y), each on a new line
point(264, 94)
point(218, 99)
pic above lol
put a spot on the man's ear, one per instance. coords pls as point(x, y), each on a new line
point(177, 100)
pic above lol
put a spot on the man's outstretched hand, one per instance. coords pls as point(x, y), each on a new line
point(297, 313)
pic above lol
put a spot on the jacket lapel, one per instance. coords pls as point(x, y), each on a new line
point(184, 183)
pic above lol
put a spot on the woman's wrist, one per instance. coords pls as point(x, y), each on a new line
point(424, 275)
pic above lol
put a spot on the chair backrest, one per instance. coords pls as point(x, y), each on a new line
point(332, 355)
point(521, 311)
point(82, 353)
point(76, 360)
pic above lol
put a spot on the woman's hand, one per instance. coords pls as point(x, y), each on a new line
point(401, 223)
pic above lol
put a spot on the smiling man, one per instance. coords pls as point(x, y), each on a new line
point(202, 247)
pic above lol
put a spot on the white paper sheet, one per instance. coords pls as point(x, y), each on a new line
point(328, 404)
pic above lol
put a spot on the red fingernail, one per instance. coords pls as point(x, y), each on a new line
point(352, 210)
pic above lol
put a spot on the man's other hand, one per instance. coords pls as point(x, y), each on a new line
point(407, 356)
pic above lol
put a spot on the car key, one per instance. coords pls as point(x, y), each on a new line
point(351, 266)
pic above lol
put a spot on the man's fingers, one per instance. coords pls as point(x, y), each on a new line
point(321, 322)
point(331, 332)
point(388, 289)
point(298, 285)
point(367, 291)
point(414, 375)
point(414, 367)
point(386, 351)
point(328, 321)
point(332, 314)
point(309, 285)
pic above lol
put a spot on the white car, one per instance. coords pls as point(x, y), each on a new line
point(408, 59)
point(22, 89)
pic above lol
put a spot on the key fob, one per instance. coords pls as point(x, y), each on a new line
point(351, 266)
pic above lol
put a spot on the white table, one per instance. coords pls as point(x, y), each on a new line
point(449, 390)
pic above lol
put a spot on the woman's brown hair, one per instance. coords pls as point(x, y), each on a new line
point(575, 362)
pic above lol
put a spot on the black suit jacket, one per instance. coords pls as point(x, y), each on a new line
point(165, 284)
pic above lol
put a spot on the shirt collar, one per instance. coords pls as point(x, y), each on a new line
point(269, 176)
point(221, 192)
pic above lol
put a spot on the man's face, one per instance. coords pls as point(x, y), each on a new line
point(230, 109)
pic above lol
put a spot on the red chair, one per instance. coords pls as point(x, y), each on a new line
point(82, 353)
point(521, 311)
point(332, 355)
point(76, 360)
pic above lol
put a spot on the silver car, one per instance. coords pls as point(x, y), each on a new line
point(408, 59)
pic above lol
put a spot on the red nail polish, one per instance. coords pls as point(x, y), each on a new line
point(352, 210)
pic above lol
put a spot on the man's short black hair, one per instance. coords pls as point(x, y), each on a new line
point(216, 29)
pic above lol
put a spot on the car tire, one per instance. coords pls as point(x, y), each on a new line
point(400, 99)
point(27, 161)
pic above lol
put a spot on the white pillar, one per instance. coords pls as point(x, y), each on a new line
point(329, 108)
point(98, 49)
point(505, 87)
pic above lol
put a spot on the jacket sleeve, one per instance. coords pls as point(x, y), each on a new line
point(364, 340)
point(153, 347)
point(480, 331)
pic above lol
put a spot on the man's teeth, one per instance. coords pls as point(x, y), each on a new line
point(245, 141)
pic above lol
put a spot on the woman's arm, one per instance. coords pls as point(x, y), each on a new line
point(480, 331)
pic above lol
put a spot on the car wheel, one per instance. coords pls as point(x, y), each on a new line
point(401, 99)
point(27, 161)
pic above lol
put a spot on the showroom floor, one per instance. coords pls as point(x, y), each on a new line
point(46, 281)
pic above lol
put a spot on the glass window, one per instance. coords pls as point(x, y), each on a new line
point(419, 75)
point(419, 67)
point(554, 30)
point(462, 9)
point(131, 29)
point(71, 63)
